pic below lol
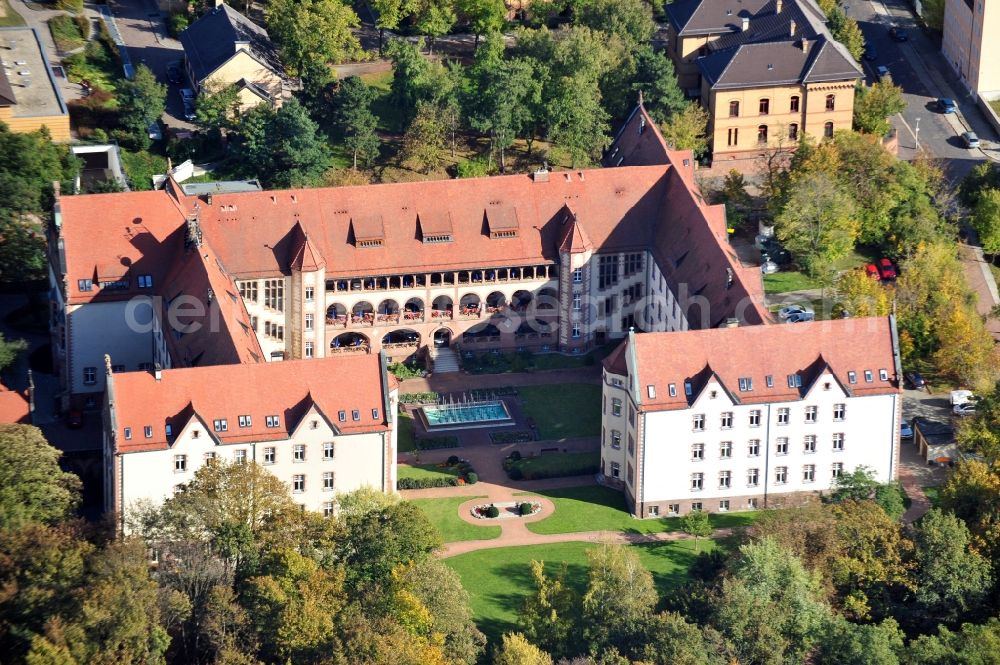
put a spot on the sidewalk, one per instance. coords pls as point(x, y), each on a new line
point(980, 278)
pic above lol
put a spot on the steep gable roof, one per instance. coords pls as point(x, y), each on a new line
point(777, 63)
point(305, 256)
point(756, 352)
point(348, 382)
point(218, 35)
point(574, 236)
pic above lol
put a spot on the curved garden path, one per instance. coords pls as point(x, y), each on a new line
point(514, 530)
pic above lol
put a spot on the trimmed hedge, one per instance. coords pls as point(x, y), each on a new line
point(492, 511)
point(437, 442)
point(426, 483)
point(520, 436)
point(525, 508)
point(419, 398)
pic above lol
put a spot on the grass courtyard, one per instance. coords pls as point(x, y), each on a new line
point(498, 580)
point(407, 433)
point(425, 471)
point(556, 465)
point(597, 508)
point(564, 411)
point(443, 514)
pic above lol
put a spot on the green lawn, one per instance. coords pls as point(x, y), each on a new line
point(597, 508)
point(407, 438)
point(388, 114)
point(443, 513)
point(66, 33)
point(498, 580)
point(792, 280)
point(9, 17)
point(564, 411)
point(557, 465)
point(933, 494)
point(426, 471)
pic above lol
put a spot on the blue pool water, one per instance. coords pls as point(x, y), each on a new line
point(465, 414)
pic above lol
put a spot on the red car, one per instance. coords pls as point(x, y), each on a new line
point(872, 271)
point(886, 269)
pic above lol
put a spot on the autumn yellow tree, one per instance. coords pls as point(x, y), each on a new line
point(966, 350)
point(860, 295)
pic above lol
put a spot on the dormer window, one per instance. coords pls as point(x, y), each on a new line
point(852, 377)
point(272, 421)
point(435, 227)
point(368, 230)
point(687, 388)
point(148, 431)
point(220, 425)
point(438, 238)
point(746, 384)
point(794, 381)
point(245, 421)
point(868, 376)
point(355, 415)
point(883, 374)
point(672, 389)
point(501, 220)
point(342, 416)
point(769, 380)
point(374, 414)
point(128, 433)
point(651, 391)
point(170, 430)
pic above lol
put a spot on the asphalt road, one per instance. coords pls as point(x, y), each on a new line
point(918, 67)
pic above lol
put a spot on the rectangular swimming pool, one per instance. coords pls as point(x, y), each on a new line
point(454, 416)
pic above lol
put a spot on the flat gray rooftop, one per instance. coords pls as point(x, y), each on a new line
point(27, 69)
point(220, 187)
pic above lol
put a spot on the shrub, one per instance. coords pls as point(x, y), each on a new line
point(492, 511)
point(66, 33)
point(472, 477)
point(516, 455)
point(437, 442)
point(453, 460)
point(178, 23)
point(406, 370)
point(425, 483)
point(525, 508)
point(473, 168)
point(418, 398)
point(515, 473)
point(75, 6)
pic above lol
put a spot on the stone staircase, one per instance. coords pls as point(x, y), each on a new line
point(444, 361)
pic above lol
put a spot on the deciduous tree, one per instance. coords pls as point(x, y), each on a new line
point(424, 141)
point(550, 616)
point(619, 600)
point(515, 650)
point(313, 32)
point(283, 148)
point(817, 224)
point(484, 16)
point(696, 523)
point(577, 121)
point(687, 129)
point(860, 295)
point(986, 220)
point(874, 105)
point(141, 101)
point(32, 486)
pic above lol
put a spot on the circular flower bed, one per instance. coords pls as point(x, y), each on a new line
point(505, 510)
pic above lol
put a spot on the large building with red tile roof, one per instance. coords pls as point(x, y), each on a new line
point(322, 426)
point(749, 417)
point(552, 261)
point(15, 406)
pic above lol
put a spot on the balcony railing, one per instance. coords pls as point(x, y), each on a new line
point(361, 348)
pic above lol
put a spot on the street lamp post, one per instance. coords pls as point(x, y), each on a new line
point(916, 133)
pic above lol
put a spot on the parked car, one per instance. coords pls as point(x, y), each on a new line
point(967, 409)
point(871, 53)
point(74, 419)
point(886, 270)
point(187, 94)
point(154, 131)
point(872, 272)
point(882, 73)
point(769, 267)
point(791, 310)
point(174, 72)
point(961, 396)
point(947, 105)
point(905, 431)
point(970, 140)
point(916, 380)
point(899, 34)
point(800, 317)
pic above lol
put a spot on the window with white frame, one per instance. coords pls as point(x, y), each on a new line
point(89, 376)
point(180, 463)
point(783, 415)
point(781, 445)
point(838, 469)
point(852, 377)
point(755, 418)
point(883, 374)
point(839, 411)
point(240, 456)
point(746, 384)
point(752, 504)
point(577, 301)
point(672, 389)
point(698, 451)
point(128, 433)
point(724, 505)
point(328, 481)
point(147, 431)
point(808, 473)
point(616, 406)
point(328, 509)
point(838, 441)
point(868, 376)
point(726, 420)
point(780, 475)
point(811, 412)
point(309, 321)
point(616, 470)
point(209, 457)
point(653, 511)
point(328, 450)
point(769, 380)
point(697, 481)
point(753, 477)
point(221, 425)
point(695, 506)
point(616, 439)
point(726, 449)
point(245, 421)
point(578, 275)
point(299, 452)
point(576, 331)
point(299, 483)
point(809, 444)
point(794, 380)
point(753, 448)
point(310, 294)
point(269, 455)
point(725, 479)
point(309, 350)
point(673, 508)
point(272, 421)
point(698, 422)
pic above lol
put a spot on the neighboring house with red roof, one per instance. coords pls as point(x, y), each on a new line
point(749, 417)
point(15, 406)
point(560, 261)
point(322, 427)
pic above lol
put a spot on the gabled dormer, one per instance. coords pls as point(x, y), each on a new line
point(819, 378)
point(707, 387)
point(312, 418)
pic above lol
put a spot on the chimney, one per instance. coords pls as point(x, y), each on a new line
point(746, 23)
point(157, 371)
point(55, 188)
point(193, 228)
point(541, 175)
point(777, 7)
point(805, 44)
point(791, 28)
point(219, 3)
